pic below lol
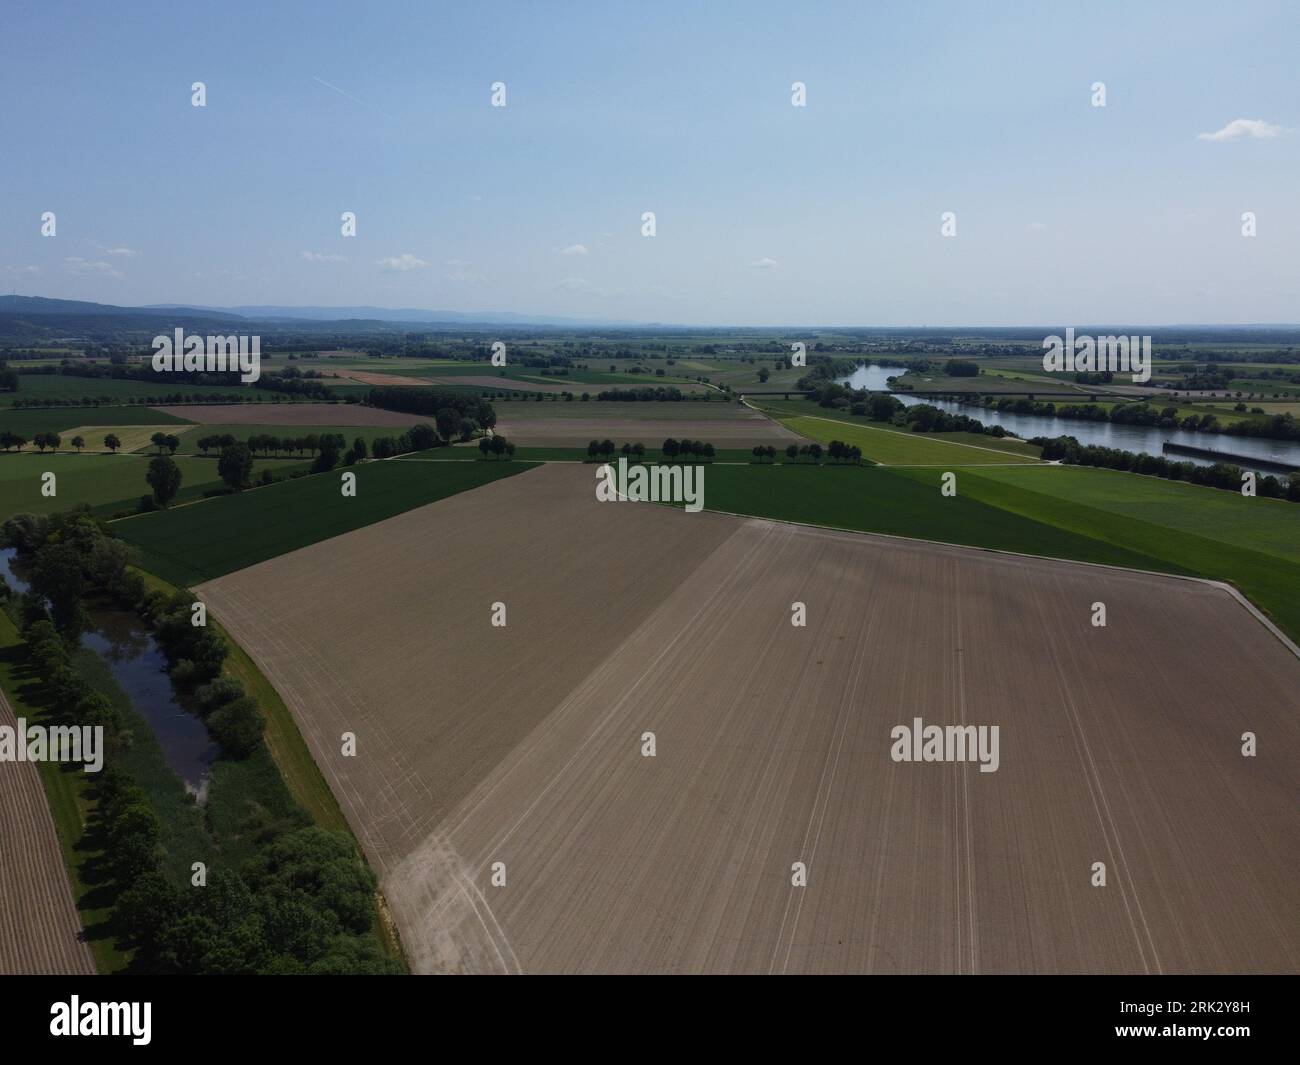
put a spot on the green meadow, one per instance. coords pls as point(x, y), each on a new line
point(106, 483)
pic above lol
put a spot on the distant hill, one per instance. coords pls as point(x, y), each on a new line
point(405, 314)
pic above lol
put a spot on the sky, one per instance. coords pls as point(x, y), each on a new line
point(765, 213)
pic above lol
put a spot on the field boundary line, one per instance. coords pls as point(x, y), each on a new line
point(1211, 582)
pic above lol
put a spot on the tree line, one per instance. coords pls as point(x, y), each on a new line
point(430, 402)
point(1223, 475)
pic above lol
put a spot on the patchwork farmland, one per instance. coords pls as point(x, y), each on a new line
point(524, 744)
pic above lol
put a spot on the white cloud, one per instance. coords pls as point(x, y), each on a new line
point(1038, 227)
point(22, 271)
point(764, 263)
point(121, 250)
point(323, 257)
point(403, 262)
point(574, 249)
point(1255, 128)
point(77, 265)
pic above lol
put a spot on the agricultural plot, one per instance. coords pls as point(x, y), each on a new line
point(734, 428)
point(783, 409)
point(185, 545)
point(772, 745)
point(106, 483)
point(296, 414)
point(39, 923)
point(513, 385)
point(132, 437)
point(65, 388)
point(369, 377)
point(901, 449)
point(62, 419)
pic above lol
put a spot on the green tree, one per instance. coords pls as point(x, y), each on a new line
point(78, 442)
point(164, 478)
point(237, 726)
point(448, 421)
point(235, 465)
point(112, 442)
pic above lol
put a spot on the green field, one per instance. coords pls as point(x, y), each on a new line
point(899, 449)
point(191, 544)
point(66, 388)
point(28, 423)
point(107, 483)
point(783, 410)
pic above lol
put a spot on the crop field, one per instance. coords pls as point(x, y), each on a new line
point(783, 410)
point(295, 414)
point(730, 430)
point(1055, 511)
point(104, 482)
point(684, 410)
point(901, 449)
point(370, 377)
point(39, 923)
point(132, 437)
point(772, 744)
point(67, 388)
point(186, 545)
point(61, 419)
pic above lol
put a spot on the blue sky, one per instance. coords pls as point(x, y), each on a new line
point(766, 214)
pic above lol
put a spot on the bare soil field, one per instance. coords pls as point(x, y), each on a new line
point(365, 377)
point(505, 384)
point(578, 432)
point(290, 414)
point(39, 924)
point(525, 745)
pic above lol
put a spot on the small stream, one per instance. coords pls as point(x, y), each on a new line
point(121, 639)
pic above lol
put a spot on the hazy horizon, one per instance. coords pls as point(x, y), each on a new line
point(767, 214)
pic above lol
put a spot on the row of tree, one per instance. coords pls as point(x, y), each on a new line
point(1223, 475)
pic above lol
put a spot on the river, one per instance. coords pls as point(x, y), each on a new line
point(121, 639)
point(1141, 438)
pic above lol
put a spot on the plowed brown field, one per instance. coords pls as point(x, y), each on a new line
point(523, 745)
point(578, 432)
point(39, 924)
point(290, 414)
